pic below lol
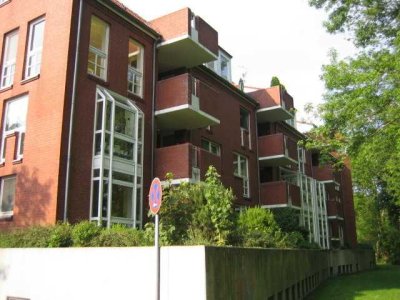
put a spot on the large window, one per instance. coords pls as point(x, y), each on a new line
point(35, 47)
point(225, 66)
point(117, 162)
point(7, 195)
point(135, 68)
point(9, 59)
point(241, 169)
point(15, 123)
point(98, 48)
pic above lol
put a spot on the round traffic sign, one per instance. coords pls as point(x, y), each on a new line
point(155, 196)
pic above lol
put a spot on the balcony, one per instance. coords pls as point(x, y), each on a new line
point(327, 175)
point(180, 106)
point(185, 161)
point(335, 210)
point(275, 104)
point(279, 194)
point(276, 150)
point(188, 40)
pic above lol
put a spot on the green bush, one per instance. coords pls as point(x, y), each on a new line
point(60, 236)
point(118, 236)
point(84, 232)
point(256, 227)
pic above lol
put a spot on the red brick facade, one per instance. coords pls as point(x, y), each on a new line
point(221, 123)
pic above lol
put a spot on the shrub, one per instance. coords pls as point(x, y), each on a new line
point(257, 228)
point(83, 233)
point(118, 236)
point(60, 236)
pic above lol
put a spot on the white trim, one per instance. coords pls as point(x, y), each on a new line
point(183, 37)
point(272, 108)
point(182, 107)
point(9, 65)
point(335, 218)
point(272, 157)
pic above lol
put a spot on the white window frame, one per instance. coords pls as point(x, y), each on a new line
point(8, 69)
point(244, 131)
point(34, 56)
point(11, 212)
point(244, 174)
point(4, 1)
point(20, 131)
point(209, 146)
point(99, 53)
point(136, 73)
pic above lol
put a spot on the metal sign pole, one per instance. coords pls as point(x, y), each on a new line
point(157, 248)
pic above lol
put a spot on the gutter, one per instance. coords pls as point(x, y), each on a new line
point(71, 119)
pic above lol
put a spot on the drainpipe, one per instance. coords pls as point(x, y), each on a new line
point(74, 82)
point(153, 141)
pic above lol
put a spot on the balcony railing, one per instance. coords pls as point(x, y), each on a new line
point(180, 105)
point(279, 194)
point(277, 150)
point(189, 34)
point(185, 161)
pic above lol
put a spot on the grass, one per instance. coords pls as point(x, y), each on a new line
point(380, 283)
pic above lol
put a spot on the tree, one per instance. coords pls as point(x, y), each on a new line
point(276, 82)
point(361, 112)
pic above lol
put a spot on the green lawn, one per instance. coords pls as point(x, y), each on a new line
point(381, 283)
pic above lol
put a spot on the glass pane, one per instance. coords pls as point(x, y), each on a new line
point(37, 35)
point(108, 115)
point(96, 172)
point(124, 121)
point(140, 128)
point(107, 144)
point(97, 144)
point(22, 143)
point(121, 201)
point(244, 119)
point(105, 199)
point(123, 149)
point(11, 48)
point(235, 166)
point(7, 200)
point(16, 114)
point(98, 34)
point(138, 201)
point(139, 154)
point(123, 177)
point(205, 145)
point(99, 117)
point(134, 56)
point(92, 63)
point(95, 199)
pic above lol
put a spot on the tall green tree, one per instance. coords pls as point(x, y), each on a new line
point(361, 112)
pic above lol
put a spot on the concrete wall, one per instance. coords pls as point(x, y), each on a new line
point(196, 272)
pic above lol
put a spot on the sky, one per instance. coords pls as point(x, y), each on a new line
point(283, 38)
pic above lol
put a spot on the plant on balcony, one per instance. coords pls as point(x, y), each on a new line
point(276, 82)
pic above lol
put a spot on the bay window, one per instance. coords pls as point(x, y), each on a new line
point(9, 59)
point(117, 188)
point(98, 48)
point(35, 47)
point(135, 68)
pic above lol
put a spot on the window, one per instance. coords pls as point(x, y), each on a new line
point(98, 48)
point(35, 47)
point(135, 68)
point(9, 59)
point(3, 1)
point(245, 128)
point(225, 66)
point(211, 147)
point(117, 187)
point(241, 169)
point(7, 196)
point(15, 122)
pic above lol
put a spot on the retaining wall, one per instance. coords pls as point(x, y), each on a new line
point(196, 272)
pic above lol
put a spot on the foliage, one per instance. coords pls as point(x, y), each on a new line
point(119, 236)
point(361, 113)
point(33, 237)
point(84, 232)
point(61, 236)
point(276, 82)
point(196, 212)
point(257, 228)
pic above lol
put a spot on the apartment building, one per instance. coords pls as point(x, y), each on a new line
point(96, 101)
